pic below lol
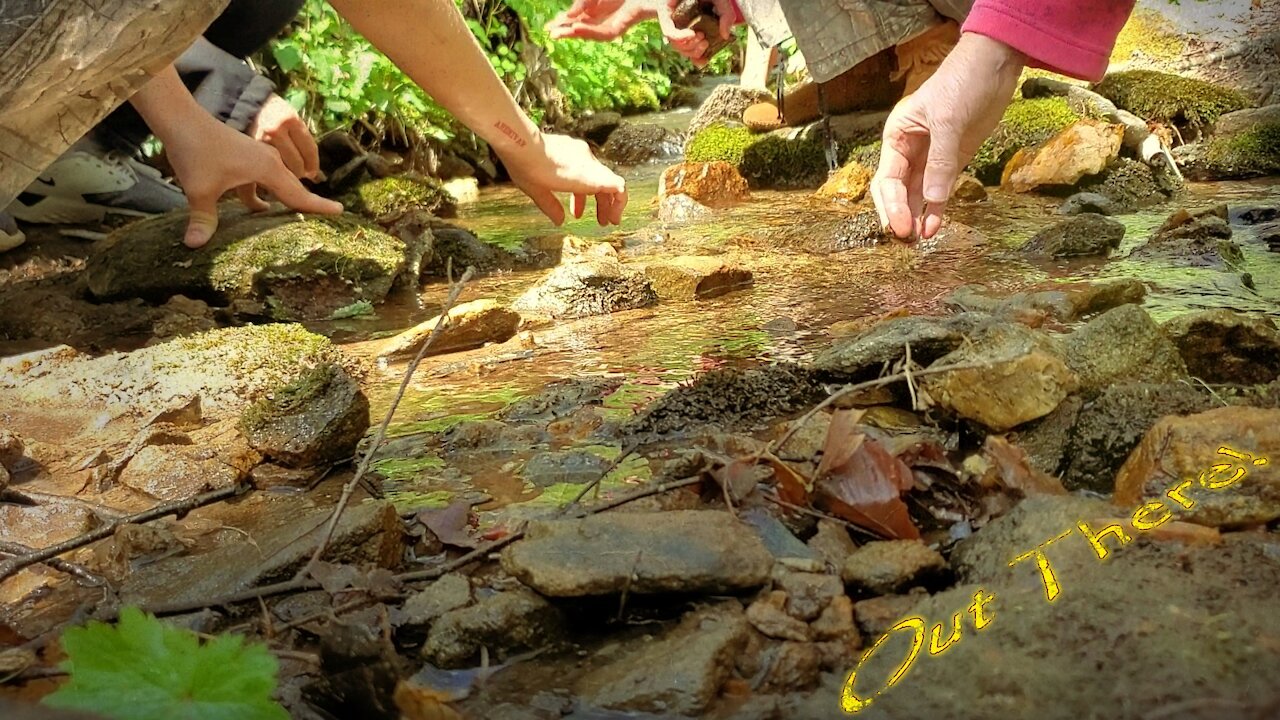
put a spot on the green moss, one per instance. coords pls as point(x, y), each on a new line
point(392, 196)
point(766, 161)
point(289, 399)
point(1252, 153)
point(1180, 101)
point(401, 469)
point(1148, 35)
point(278, 349)
point(1025, 123)
point(339, 246)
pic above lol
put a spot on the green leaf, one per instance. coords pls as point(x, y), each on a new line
point(144, 669)
point(288, 57)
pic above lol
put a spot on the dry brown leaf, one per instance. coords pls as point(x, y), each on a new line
point(793, 487)
point(451, 524)
point(1015, 472)
point(421, 703)
point(843, 440)
point(866, 489)
point(739, 478)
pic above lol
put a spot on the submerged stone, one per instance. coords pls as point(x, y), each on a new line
point(471, 325)
point(696, 277)
point(1084, 235)
point(591, 286)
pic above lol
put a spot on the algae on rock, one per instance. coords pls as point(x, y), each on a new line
point(766, 161)
point(397, 195)
point(1251, 153)
point(1184, 102)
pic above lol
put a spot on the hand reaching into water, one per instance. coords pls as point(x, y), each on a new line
point(557, 164)
point(932, 134)
point(605, 20)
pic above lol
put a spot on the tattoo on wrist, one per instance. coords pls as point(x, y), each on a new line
point(506, 129)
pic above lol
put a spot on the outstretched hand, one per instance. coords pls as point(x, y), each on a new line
point(211, 159)
point(932, 134)
point(558, 164)
point(605, 20)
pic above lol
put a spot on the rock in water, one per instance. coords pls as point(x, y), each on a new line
point(471, 325)
point(1089, 202)
point(680, 209)
point(848, 185)
point(693, 551)
point(591, 286)
point(969, 189)
point(1019, 377)
point(1122, 345)
point(1201, 238)
point(713, 184)
point(634, 144)
point(726, 103)
point(930, 338)
point(294, 267)
point(678, 674)
point(1186, 448)
point(1223, 346)
point(1083, 235)
point(1085, 148)
point(317, 419)
point(504, 624)
point(696, 278)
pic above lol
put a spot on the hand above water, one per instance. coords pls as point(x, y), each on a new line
point(932, 134)
point(553, 164)
point(609, 19)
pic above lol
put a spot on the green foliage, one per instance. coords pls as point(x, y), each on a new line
point(143, 669)
point(1025, 123)
point(1251, 153)
point(1172, 99)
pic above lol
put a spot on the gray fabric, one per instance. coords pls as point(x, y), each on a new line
point(228, 88)
point(65, 64)
point(836, 35)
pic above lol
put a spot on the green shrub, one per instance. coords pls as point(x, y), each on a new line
point(1172, 99)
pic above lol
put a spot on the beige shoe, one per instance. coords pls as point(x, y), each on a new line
point(10, 236)
point(920, 57)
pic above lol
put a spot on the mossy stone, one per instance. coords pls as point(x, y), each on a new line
point(766, 161)
point(317, 418)
point(397, 195)
point(1173, 99)
point(1025, 123)
point(1252, 153)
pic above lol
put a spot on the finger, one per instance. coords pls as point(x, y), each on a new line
point(578, 205)
point(283, 144)
point(249, 196)
point(940, 173)
point(290, 191)
point(673, 34)
point(619, 205)
point(203, 219)
point(877, 199)
point(306, 145)
point(726, 25)
point(894, 175)
point(549, 204)
point(611, 29)
point(604, 203)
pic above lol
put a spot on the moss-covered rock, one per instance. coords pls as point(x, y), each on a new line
point(1251, 153)
point(317, 418)
point(1184, 102)
point(394, 196)
point(283, 264)
point(1025, 123)
point(766, 161)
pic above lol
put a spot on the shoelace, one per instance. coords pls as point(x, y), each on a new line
point(134, 165)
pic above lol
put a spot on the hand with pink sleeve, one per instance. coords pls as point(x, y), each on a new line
point(932, 134)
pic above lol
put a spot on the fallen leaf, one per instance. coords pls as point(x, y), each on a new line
point(450, 524)
point(421, 703)
point(1015, 472)
point(739, 478)
point(866, 489)
point(843, 440)
point(793, 487)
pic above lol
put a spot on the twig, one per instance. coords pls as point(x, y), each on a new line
point(181, 507)
point(626, 588)
point(617, 462)
point(18, 550)
point(349, 489)
point(911, 383)
point(820, 515)
point(887, 380)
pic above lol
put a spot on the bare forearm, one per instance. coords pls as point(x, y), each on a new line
point(431, 43)
point(167, 105)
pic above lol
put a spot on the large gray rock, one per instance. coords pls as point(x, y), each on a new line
point(1223, 346)
point(505, 623)
point(633, 144)
point(1122, 345)
point(930, 338)
point(589, 286)
point(1201, 239)
point(690, 551)
point(317, 419)
point(678, 674)
point(1083, 235)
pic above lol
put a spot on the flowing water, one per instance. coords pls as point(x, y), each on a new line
point(785, 316)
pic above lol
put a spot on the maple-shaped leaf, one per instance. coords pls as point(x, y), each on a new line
point(862, 482)
point(144, 669)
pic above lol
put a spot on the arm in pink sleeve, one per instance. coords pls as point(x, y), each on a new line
point(1071, 37)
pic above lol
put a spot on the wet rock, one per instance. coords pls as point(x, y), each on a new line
point(1089, 202)
point(712, 184)
point(633, 144)
point(730, 398)
point(593, 286)
point(1223, 346)
point(1021, 377)
point(1234, 123)
point(886, 567)
point(726, 103)
point(768, 615)
point(930, 337)
point(836, 620)
point(1045, 442)
point(772, 160)
point(505, 623)
point(1110, 427)
point(177, 472)
point(269, 476)
point(793, 667)
point(183, 316)
point(1249, 153)
point(1063, 302)
point(832, 543)
point(876, 615)
point(368, 532)
point(1200, 239)
point(848, 185)
point(691, 277)
point(471, 325)
point(1083, 235)
point(463, 190)
point(678, 674)
point(1119, 346)
point(315, 420)
point(679, 209)
point(571, 466)
point(423, 608)
point(1181, 448)
point(1085, 148)
point(596, 127)
point(12, 450)
point(808, 594)
point(834, 235)
point(298, 267)
point(1131, 185)
point(969, 189)
point(1025, 124)
point(391, 197)
point(778, 539)
point(450, 243)
point(491, 436)
point(682, 551)
point(560, 399)
point(1258, 215)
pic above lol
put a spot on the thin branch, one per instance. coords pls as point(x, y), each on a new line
point(617, 463)
point(820, 515)
point(349, 489)
point(181, 507)
point(13, 549)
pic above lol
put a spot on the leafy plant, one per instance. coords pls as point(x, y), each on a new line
point(144, 669)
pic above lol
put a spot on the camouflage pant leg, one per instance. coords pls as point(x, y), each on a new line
point(65, 64)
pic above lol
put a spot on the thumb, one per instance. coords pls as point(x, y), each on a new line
point(203, 219)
